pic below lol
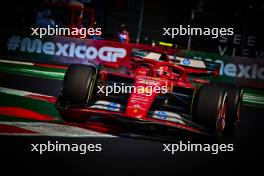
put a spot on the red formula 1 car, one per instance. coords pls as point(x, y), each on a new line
point(151, 92)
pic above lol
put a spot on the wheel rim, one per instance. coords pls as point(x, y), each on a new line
point(237, 115)
point(221, 119)
point(90, 89)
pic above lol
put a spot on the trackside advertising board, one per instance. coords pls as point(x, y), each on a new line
point(242, 71)
point(246, 72)
point(65, 50)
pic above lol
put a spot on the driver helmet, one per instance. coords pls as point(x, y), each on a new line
point(163, 70)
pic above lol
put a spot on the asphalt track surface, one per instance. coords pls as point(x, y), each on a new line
point(127, 156)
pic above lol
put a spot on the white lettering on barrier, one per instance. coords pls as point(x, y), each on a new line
point(111, 53)
point(105, 53)
point(250, 71)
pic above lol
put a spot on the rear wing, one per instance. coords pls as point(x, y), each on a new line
point(182, 61)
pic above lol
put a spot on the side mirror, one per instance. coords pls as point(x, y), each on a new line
point(111, 65)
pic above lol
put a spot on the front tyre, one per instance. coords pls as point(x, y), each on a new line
point(78, 88)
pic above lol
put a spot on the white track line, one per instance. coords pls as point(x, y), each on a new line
point(51, 129)
point(16, 62)
point(20, 92)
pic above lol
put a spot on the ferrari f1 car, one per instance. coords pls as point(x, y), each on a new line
point(189, 103)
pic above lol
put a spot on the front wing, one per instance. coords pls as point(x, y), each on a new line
point(115, 111)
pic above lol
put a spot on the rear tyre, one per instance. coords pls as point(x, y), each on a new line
point(210, 108)
point(78, 88)
point(234, 97)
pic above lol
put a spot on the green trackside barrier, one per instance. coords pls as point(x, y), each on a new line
point(253, 97)
point(52, 73)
